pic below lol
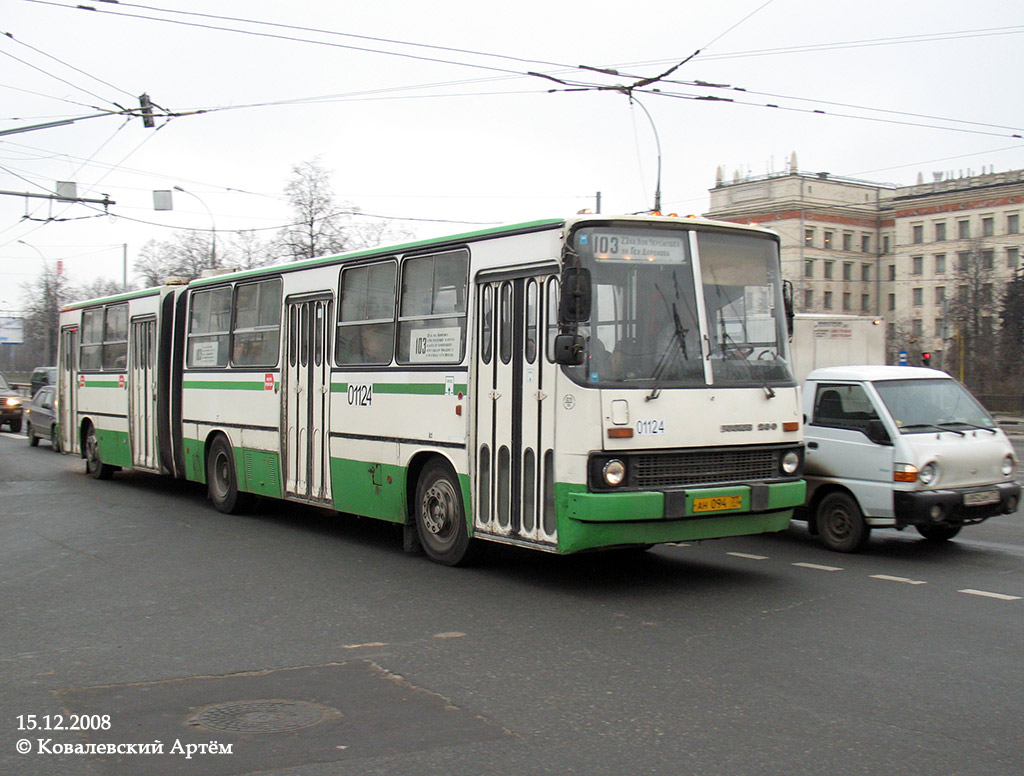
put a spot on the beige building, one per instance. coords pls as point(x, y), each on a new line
point(902, 253)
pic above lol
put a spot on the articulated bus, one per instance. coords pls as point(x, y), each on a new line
point(564, 385)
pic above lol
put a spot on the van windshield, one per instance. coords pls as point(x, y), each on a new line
point(922, 406)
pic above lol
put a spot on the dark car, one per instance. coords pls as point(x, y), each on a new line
point(10, 406)
point(43, 375)
point(41, 418)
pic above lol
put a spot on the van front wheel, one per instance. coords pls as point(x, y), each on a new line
point(840, 523)
point(938, 532)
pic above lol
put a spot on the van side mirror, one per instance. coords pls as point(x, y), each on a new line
point(569, 349)
point(787, 305)
point(876, 432)
point(575, 300)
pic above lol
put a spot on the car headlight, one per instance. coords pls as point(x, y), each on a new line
point(790, 462)
point(13, 401)
point(1008, 466)
point(614, 472)
point(928, 473)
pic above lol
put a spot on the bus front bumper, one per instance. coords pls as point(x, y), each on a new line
point(644, 517)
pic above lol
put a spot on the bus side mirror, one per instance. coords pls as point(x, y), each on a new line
point(575, 301)
point(569, 349)
point(787, 305)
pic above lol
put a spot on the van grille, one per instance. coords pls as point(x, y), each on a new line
point(703, 467)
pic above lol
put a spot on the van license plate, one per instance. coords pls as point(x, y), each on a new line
point(717, 503)
point(981, 498)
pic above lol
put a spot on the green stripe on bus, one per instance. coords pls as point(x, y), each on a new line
point(102, 384)
point(427, 389)
point(225, 385)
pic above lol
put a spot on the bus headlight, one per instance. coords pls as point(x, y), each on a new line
point(790, 462)
point(614, 472)
point(928, 473)
point(1008, 466)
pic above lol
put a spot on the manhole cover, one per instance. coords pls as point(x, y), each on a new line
point(272, 716)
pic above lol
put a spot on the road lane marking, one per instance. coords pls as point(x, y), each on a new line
point(986, 594)
point(904, 580)
point(817, 567)
point(747, 555)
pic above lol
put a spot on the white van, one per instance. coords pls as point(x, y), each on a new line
point(892, 446)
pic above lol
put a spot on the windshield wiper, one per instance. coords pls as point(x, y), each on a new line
point(931, 425)
point(678, 340)
point(966, 423)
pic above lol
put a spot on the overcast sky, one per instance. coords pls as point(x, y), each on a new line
point(401, 102)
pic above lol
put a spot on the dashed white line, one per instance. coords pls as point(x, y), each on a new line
point(904, 580)
point(817, 567)
point(747, 555)
point(986, 594)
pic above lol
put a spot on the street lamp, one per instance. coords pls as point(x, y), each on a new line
point(657, 142)
point(213, 230)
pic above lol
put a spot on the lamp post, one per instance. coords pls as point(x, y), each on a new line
point(213, 225)
point(657, 142)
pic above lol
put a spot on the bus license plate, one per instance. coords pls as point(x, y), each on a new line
point(982, 498)
point(717, 503)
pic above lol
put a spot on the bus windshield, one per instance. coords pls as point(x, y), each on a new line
point(657, 322)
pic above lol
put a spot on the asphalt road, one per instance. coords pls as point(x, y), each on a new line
point(308, 643)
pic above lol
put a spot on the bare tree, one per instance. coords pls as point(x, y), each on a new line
point(1011, 334)
point(322, 226)
point(186, 255)
point(42, 300)
point(974, 311)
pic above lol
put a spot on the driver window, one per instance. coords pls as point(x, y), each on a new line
point(843, 406)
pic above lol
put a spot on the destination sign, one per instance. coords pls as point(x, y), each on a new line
point(650, 246)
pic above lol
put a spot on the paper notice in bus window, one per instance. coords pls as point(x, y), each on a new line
point(204, 353)
point(431, 346)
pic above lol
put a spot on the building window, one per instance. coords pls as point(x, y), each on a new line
point(865, 303)
point(808, 299)
point(940, 328)
point(988, 259)
point(885, 244)
point(940, 263)
point(917, 265)
point(865, 243)
point(940, 294)
point(809, 237)
point(847, 241)
point(892, 272)
point(1013, 224)
point(988, 226)
point(865, 272)
point(917, 295)
point(847, 270)
point(918, 231)
point(1012, 258)
point(890, 331)
point(940, 231)
point(828, 239)
point(963, 229)
point(828, 300)
point(963, 260)
point(808, 268)
point(892, 302)
point(847, 301)
point(828, 269)
point(986, 293)
point(916, 328)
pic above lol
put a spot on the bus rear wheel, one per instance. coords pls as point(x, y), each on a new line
point(94, 465)
point(221, 480)
point(440, 515)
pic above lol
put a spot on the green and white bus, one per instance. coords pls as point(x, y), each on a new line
point(565, 385)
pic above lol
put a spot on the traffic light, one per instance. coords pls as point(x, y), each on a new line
point(926, 359)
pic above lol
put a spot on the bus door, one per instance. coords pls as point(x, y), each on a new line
point(67, 390)
point(142, 419)
point(306, 398)
point(514, 390)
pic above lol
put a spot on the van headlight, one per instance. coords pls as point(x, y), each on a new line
point(1008, 466)
point(790, 462)
point(614, 472)
point(928, 473)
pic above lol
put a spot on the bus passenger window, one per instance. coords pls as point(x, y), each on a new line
point(257, 329)
point(366, 315)
point(432, 308)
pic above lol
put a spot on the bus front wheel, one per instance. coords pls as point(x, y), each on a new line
point(221, 481)
point(440, 515)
